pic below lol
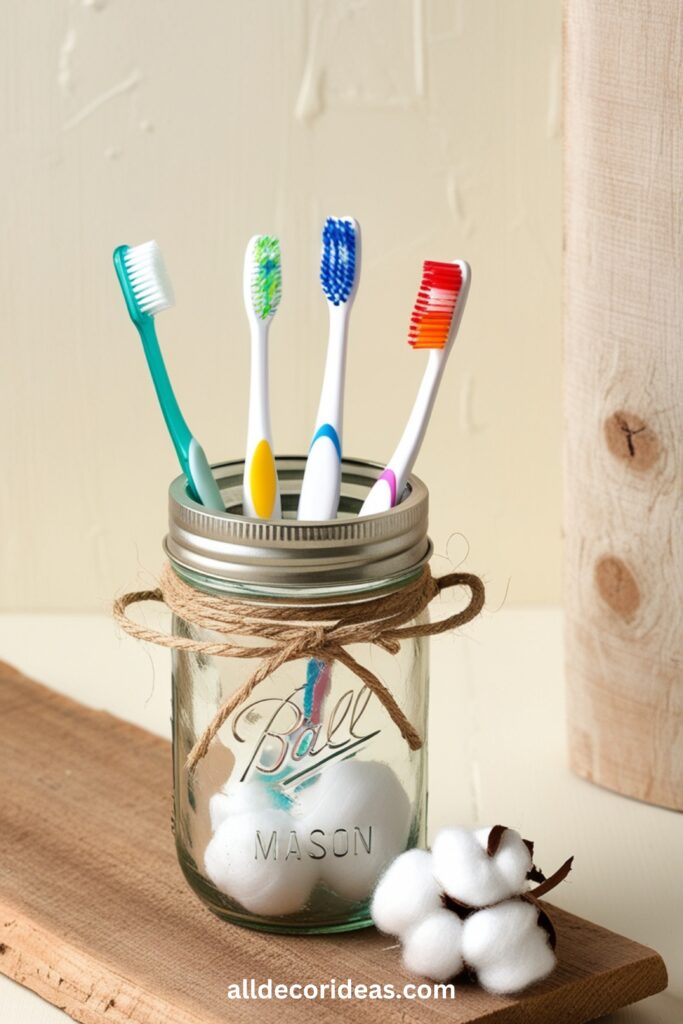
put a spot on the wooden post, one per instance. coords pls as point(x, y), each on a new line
point(624, 394)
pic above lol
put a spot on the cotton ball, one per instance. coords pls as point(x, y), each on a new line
point(361, 811)
point(491, 933)
point(433, 947)
point(406, 893)
point(238, 798)
point(512, 860)
point(507, 947)
point(473, 877)
point(256, 859)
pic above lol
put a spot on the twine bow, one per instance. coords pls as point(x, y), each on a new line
point(290, 632)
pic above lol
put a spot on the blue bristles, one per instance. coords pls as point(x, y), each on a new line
point(338, 262)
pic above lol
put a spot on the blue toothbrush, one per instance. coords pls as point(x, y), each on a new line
point(339, 273)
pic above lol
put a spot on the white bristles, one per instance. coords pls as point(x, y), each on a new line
point(149, 278)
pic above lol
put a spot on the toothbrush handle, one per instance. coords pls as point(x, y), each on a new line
point(382, 496)
point(193, 461)
point(320, 487)
point(175, 421)
point(388, 488)
point(322, 477)
point(260, 492)
point(321, 484)
point(201, 479)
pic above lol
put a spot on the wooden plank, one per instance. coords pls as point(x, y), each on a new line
point(96, 917)
point(623, 362)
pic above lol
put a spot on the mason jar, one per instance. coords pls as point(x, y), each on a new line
point(309, 789)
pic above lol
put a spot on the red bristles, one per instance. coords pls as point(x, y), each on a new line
point(435, 305)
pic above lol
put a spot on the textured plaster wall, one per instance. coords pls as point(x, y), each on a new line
point(435, 122)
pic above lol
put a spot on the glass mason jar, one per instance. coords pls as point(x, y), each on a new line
point(309, 789)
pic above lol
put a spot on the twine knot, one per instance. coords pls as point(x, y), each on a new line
point(288, 632)
point(318, 637)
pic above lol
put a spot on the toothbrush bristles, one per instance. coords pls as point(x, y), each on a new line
point(338, 260)
point(266, 276)
point(435, 305)
point(149, 278)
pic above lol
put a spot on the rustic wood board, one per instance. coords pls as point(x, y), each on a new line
point(96, 918)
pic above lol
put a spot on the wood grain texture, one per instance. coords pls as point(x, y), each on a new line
point(624, 395)
point(95, 916)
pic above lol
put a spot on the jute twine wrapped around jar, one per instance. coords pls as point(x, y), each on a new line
point(290, 632)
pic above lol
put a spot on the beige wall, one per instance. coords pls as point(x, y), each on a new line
point(435, 122)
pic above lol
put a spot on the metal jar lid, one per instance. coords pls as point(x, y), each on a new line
point(228, 550)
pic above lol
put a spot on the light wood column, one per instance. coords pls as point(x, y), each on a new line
point(624, 394)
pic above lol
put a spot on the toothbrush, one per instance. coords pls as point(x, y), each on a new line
point(147, 290)
point(261, 498)
point(339, 273)
point(434, 325)
point(262, 292)
point(262, 287)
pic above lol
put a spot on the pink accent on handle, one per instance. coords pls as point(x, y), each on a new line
point(321, 690)
point(390, 478)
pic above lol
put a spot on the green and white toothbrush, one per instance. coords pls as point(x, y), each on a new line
point(262, 293)
point(147, 290)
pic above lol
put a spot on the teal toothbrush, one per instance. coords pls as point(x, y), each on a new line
point(147, 290)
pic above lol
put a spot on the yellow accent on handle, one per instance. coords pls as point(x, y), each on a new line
point(263, 480)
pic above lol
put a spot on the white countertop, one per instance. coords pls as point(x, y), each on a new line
point(497, 754)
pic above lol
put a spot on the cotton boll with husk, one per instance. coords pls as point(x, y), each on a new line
point(256, 859)
point(433, 947)
point(238, 798)
point(483, 867)
point(507, 946)
point(406, 894)
point(364, 813)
